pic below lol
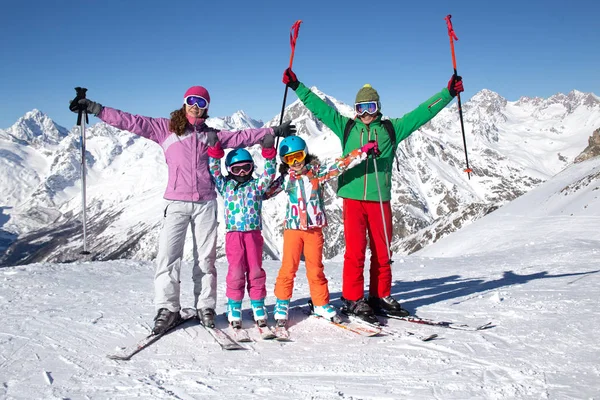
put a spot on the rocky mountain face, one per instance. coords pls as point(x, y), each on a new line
point(593, 148)
point(512, 147)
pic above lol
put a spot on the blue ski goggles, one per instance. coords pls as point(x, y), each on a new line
point(369, 107)
point(197, 101)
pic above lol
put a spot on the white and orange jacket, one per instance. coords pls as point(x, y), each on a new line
point(305, 207)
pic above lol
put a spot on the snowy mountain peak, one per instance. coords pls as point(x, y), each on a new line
point(240, 120)
point(36, 128)
point(488, 99)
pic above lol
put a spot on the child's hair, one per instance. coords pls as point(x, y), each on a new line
point(310, 159)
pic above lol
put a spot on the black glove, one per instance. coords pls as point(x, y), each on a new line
point(212, 138)
point(267, 141)
point(284, 130)
point(90, 106)
point(289, 78)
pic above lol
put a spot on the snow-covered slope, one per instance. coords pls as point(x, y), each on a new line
point(530, 268)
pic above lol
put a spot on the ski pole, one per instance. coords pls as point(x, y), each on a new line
point(293, 37)
point(453, 37)
point(81, 111)
point(387, 241)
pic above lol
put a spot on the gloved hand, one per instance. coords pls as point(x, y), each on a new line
point(284, 130)
point(267, 141)
point(212, 138)
point(269, 153)
point(371, 148)
point(90, 106)
point(289, 78)
point(216, 151)
point(455, 85)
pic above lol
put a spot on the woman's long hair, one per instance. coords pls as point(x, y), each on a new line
point(179, 121)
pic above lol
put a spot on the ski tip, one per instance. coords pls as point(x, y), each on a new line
point(485, 326)
point(118, 357)
point(430, 337)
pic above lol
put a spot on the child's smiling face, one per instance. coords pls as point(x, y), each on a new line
point(297, 166)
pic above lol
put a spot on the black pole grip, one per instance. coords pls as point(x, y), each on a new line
point(79, 108)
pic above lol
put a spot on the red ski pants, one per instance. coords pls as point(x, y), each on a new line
point(362, 218)
point(294, 241)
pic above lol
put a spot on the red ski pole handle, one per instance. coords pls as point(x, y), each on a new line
point(453, 37)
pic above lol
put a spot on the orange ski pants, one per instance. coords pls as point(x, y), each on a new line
point(294, 241)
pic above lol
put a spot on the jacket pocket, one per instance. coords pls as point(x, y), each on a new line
point(173, 176)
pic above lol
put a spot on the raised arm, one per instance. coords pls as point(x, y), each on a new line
point(351, 160)
point(323, 111)
point(155, 129)
point(268, 175)
point(413, 120)
point(215, 153)
point(274, 188)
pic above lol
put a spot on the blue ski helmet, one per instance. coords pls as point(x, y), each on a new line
point(236, 156)
point(291, 144)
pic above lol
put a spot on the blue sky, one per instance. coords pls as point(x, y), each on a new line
point(141, 56)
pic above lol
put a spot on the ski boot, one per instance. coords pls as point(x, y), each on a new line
point(207, 317)
point(234, 313)
point(326, 311)
point(360, 309)
point(164, 320)
point(387, 305)
point(260, 312)
point(281, 312)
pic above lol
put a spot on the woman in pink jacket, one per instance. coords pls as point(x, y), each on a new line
point(190, 195)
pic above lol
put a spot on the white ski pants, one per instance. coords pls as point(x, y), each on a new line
point(202, 216)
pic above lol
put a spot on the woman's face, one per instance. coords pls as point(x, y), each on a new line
point(194, 111)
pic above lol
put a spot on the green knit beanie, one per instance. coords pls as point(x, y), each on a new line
point(367, 93)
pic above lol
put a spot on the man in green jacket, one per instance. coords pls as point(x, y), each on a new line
point(366, 190)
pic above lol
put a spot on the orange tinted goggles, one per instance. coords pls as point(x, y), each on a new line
point(297, 156)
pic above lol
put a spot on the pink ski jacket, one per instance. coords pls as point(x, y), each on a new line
point(186, 156)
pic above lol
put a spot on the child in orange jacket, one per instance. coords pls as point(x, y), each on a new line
point(302, 178)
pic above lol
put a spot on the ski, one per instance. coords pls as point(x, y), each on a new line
point(355, 327)
point(442, 324)
point(393, 332)
point(125, 354)
point(265, 331)
point(223, 339)
point(281, 331)
point(240, 335)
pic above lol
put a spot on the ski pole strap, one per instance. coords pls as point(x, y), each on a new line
point(293, 37)
point(450, 28)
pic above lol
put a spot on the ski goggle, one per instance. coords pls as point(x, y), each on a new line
point(291, 158)
point(369, 107)
point(237, 169)
point(197, 101)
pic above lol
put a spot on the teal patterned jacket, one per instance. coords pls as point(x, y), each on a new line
point(242, 203)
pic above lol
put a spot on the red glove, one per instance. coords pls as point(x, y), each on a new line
point(269, 153)
point(289, 78)
point(216, 151)
point(455, 85)
point(371, 148)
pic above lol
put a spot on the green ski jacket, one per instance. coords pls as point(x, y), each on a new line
point(360, 183)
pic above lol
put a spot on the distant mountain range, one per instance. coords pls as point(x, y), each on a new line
point(512, 147)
